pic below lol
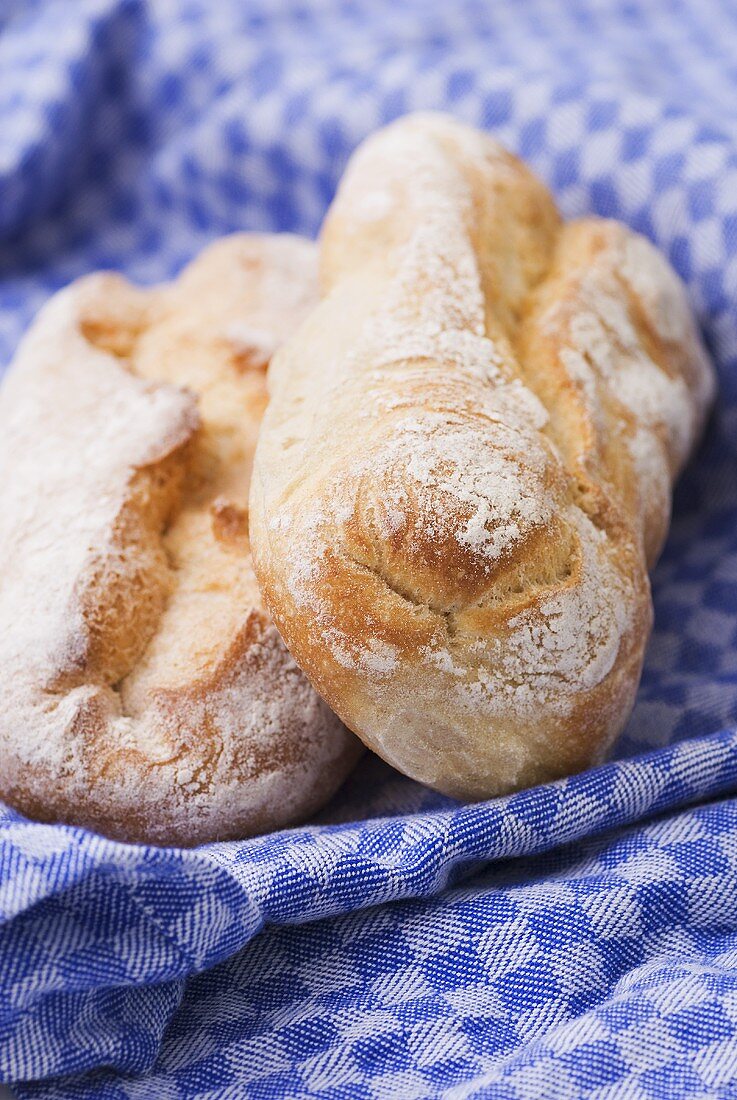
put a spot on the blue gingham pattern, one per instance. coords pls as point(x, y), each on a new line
point(576, 940)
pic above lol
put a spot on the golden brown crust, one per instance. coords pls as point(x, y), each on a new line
point(148, 694)
point(466, 465)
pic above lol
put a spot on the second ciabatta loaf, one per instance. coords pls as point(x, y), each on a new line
point(465, 469)
point(146, 694)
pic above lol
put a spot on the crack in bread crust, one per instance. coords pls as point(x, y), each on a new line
point(484, 415)
point(151, 698)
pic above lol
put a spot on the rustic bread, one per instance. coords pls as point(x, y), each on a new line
point(465, 468)
point(146, 694)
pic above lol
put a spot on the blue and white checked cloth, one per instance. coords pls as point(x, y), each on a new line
point(577, 940)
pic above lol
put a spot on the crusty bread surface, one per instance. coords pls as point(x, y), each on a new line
point(146, 693)
point(466, 465)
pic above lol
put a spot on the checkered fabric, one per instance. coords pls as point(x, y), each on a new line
point(576, 940)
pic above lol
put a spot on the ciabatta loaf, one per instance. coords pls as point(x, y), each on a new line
point(465, 469)
point(145, 691)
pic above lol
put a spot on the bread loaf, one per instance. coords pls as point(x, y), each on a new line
point(146, 694)
point(465, 469)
